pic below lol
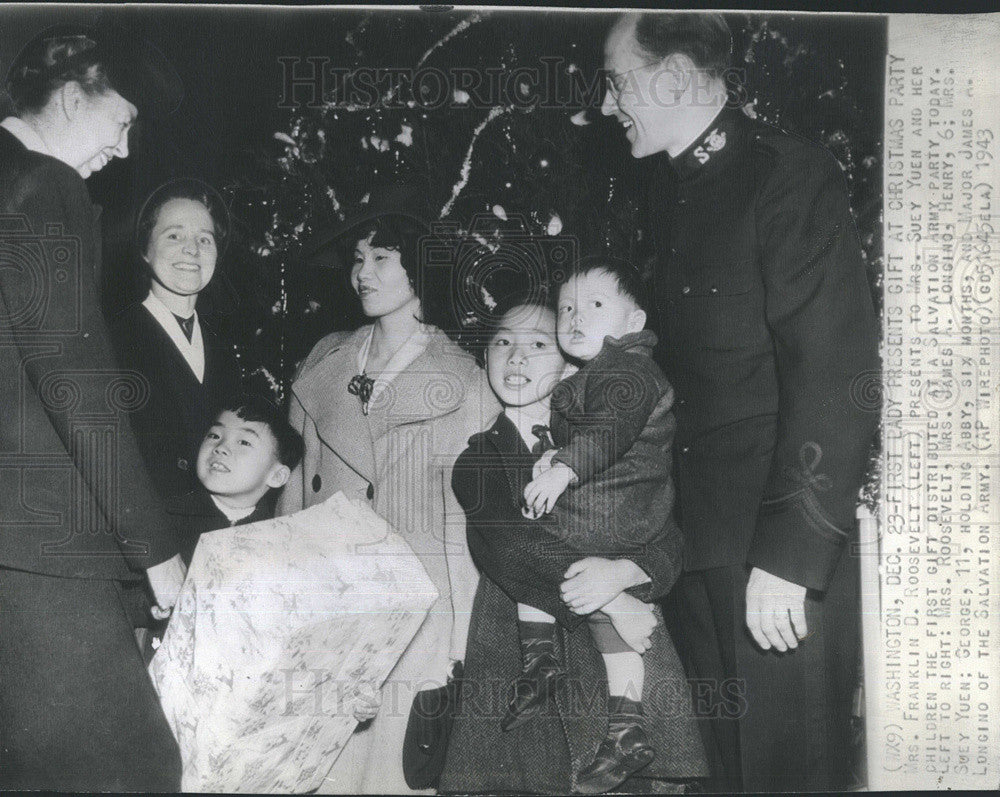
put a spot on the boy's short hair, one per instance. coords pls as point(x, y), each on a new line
point(256, 408)
point(631, 282)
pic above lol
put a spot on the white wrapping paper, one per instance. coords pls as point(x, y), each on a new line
point(277, 626)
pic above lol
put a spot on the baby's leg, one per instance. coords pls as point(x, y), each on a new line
point(625, 749)
point(536, 629)
point(626, 672)
point(541, 670)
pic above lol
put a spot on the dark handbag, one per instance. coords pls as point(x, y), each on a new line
point(427, 731)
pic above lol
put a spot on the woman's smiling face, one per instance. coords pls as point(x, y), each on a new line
point(182, 249)
point(523, 362)
point(378, 277)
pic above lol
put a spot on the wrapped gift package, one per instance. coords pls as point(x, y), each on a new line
point(280, 625)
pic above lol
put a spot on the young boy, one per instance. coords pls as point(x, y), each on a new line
point(245, 458)
point(611, 435)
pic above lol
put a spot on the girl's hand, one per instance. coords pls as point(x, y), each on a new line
point(593, 582)
point(367, 700)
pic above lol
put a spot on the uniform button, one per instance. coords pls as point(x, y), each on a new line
point(713, 289)
point(371, 492)
point(182, 463)
point(685, 449)
point(681, 200)
point(673, 250)
point(686, 290)
point(317, 483)
point(681, 402)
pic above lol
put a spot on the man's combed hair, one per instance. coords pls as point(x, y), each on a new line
point(704, 38)
point(256, 408)
point(630, 279)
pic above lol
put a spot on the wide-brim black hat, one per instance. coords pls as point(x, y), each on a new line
point(135, 67)
point(402, 200)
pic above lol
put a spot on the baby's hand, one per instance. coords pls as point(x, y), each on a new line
point(543, 463)
point(367, 700)
point(544, 490)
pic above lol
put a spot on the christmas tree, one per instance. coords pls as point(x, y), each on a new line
point(492, 115)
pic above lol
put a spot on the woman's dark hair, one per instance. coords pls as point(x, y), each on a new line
point(187, 188)
point(257, 408)
point(47, 64)
point(407, 236)
point(704, 38)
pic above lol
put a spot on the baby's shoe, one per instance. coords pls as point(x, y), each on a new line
point(624, 751)
point(530, 692)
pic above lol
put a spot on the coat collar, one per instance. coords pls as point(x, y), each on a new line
point(434, 384)
point(199, 504)
point(26, 134)
point(713, 147)
point(193, 351)
point(506, 441)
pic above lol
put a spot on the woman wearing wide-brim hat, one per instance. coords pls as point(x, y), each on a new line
point(181, 232)
point(384, 412)
point(82, 520)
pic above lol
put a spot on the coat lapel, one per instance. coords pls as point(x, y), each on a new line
point(431, 386)
point(336, 414)
point(182, 382)
point(507, 442)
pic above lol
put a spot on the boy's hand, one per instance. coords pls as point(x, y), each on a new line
point(544, 490)
point(367, 700)
point(543, 463)
point(166, 580)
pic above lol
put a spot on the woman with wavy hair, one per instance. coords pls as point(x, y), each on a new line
point(384, 412)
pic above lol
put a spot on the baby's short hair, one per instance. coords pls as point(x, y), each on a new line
point(631, 283)
point(256, 408)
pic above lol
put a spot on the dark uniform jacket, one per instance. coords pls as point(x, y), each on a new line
point(179, 409)
point(75, 497)
point(767, 333)
point(524, 561)
point(612, 424)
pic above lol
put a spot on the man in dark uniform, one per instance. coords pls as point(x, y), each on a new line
point(767, 327)
point(80, 520)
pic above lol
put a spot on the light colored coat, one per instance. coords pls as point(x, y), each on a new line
point(399, 457)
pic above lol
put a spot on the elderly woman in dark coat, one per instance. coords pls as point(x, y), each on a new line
point(542, 755)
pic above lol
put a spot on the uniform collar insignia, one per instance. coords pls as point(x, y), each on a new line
point(707, 146)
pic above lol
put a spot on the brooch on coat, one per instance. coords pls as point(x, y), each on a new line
point(361, 385)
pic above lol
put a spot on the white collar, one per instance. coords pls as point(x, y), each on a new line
point(232, 513)
point(412, 348)
point(26, 134)
point(192, 351)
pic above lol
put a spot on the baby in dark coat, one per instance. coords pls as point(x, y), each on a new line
point(606, 479)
